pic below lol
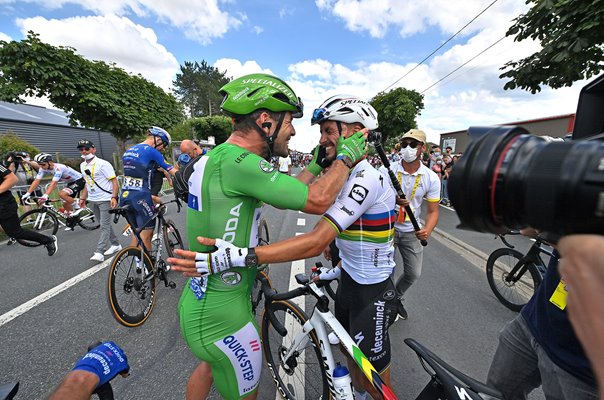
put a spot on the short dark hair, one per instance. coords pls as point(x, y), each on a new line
point(449, 147)
point(247, 122)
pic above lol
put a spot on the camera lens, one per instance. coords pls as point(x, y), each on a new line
point(509, 179)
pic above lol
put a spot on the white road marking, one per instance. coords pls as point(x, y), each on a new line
point(301, 222)
point(299, 233)
point(49, 294)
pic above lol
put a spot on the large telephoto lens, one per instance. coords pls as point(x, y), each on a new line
point(508, 179)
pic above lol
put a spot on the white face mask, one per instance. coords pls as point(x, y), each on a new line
point(409, 154)
point(26, 158)
point(87, 157)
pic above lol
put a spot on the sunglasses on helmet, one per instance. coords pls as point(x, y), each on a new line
point(318, 115)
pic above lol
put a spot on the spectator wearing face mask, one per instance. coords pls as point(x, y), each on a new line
point(101, 192)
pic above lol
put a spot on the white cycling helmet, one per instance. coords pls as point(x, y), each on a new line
point(161, 133)
point(43, 158)
point(348, 109)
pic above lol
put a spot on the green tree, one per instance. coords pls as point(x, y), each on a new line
point(197, 86)
point(571, 34)
point(397, 112)
point(9, 141)
point(218, 126)
point(94, 94)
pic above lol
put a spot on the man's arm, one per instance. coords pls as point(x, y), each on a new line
point(33, 185)
point(300, 247)
point(431, 221)
point(9, 181)
point(323, 192)
point(77, 385)
point(114, 192)
point(51, 187)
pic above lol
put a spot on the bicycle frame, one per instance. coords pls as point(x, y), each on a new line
point(320, 319)
point(61, 219)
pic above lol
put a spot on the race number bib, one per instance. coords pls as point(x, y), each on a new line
point(131, 183)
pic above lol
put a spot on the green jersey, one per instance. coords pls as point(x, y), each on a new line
point(227, 189)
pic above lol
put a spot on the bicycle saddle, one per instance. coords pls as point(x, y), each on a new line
point(455, 383)
point(8, 391)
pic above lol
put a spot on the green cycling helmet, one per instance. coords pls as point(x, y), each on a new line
point(252, 92)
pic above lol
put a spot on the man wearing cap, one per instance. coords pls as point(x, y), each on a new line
point(418, 182)
point(101, 191)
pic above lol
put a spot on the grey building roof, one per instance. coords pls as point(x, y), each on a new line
point(30, 113)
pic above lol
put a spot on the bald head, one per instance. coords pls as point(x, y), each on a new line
point(189, 147)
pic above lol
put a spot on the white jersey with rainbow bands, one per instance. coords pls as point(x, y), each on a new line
point(363, 214)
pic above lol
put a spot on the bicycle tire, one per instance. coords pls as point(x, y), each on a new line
point(263, 234)
point(43, 222)
point(513, 295)
point(172, 238)
point(130, 301)
point(87, 220)
point(305, 378)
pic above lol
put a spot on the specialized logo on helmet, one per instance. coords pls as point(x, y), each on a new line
point(265, 166)
point(231, 278)
point(277, 85)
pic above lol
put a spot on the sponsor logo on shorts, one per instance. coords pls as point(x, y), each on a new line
point(389, 294)
point(125, 194)
point(231, 278)
point(240, 353)
point(379, 327)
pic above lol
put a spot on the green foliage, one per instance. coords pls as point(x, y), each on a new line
point(397, 112)
point(11, 142)
point(197, 86)
point(218, 126)
point(94, 94)
point(571, 34)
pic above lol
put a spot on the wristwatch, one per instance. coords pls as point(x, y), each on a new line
point(346, 160)
point(251, 260)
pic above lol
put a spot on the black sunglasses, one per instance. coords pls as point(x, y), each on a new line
point(83, 148)
point(412, 143)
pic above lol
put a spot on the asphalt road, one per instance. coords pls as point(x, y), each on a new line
point(451, 311)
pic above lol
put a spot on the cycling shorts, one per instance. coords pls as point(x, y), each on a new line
point(366, 312)
point(141, 209)
point(226, 337)
point(74, 188)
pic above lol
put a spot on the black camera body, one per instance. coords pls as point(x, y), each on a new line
point(509, 179)
point(374, 137)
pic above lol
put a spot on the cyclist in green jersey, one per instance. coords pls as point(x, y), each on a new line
point(227, 188)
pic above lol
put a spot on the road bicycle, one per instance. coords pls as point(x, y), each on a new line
point(301, 361)
point(132, 277)
point(513, 276)
point(47, 218)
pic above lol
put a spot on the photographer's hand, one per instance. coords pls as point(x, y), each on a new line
point(582, 269)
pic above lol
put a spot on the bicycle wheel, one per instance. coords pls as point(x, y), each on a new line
point(39, 220)
point(87, 220)
point(514, 293)
point(131, 295)
point(303, 376)
point(172, 238)
point(263, 236)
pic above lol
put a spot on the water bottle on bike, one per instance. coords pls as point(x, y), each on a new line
point(342, 383)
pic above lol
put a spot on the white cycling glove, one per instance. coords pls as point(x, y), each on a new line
point(224, 257)
point(329, 274)
point(44, 197)
point(26, 196)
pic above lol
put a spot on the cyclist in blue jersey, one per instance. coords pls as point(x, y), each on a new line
point(140, 163)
